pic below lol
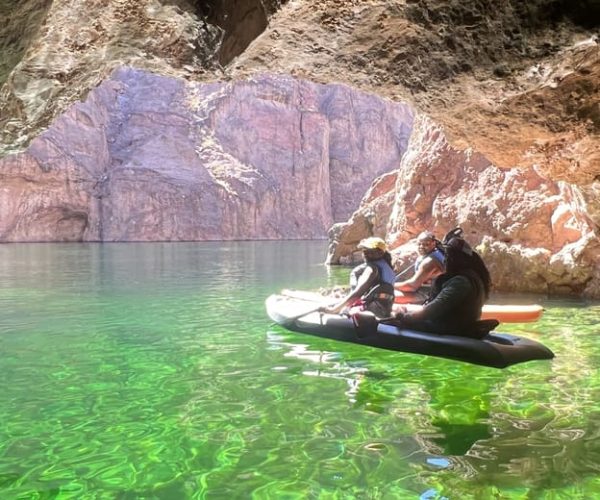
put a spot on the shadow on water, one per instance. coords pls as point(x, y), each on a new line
point(522, 427)
point(458, 439)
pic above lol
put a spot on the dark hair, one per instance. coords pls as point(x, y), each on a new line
point(387, 256)
point(459, 261)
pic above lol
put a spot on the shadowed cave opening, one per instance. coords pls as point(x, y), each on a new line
point(584, 13)
point(241, 21)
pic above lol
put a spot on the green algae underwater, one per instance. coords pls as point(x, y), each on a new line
point(150, 370)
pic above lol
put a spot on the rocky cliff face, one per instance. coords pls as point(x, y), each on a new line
point(505, 142)
point(59, 51)
point(534, 233)
point(147, 158)
point(516, 89)
point(516, 81)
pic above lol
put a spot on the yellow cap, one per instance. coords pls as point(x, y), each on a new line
point(373, 243)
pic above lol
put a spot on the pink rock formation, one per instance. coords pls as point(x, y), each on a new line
point(534, 233)
point(149, 158)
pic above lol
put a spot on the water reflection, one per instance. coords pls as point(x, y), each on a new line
point(445, 437)
point(328, 364)
point(494, 428)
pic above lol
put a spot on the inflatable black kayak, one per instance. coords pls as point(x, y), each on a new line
point(497, 350)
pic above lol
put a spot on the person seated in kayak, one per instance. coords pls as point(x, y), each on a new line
point(371, 284)
point(429, 265)
point(457, 296)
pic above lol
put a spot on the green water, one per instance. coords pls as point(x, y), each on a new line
point(151, 371)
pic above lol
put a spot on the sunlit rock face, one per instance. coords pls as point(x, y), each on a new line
point(53, 53)
point(517, 81)
point(534, 233)
point(59, 51)
point(151, 158)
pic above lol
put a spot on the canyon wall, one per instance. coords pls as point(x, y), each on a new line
point(535, 234)
point(153, 158)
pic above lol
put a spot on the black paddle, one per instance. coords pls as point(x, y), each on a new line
point(290, 320)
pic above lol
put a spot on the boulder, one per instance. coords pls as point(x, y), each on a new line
point(533, 232)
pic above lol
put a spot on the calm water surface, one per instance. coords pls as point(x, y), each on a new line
point(152, 371)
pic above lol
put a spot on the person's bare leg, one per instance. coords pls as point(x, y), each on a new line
point(407, 298)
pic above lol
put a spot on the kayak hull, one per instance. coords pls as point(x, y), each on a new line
point(497, 350)
point(512, 313)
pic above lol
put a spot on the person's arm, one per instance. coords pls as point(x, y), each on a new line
point(427, 270)
point(453, 292)
point(361, 287)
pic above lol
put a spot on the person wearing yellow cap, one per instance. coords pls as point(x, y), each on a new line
point(371, 284)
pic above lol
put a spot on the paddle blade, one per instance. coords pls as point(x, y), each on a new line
point(284, 310)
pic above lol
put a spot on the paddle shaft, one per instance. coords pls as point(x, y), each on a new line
point(298, 316)
point(299, 295)
point(402, 273)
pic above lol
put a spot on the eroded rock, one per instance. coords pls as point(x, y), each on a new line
point(152, 158)
point(534, 233)
point(517, 82)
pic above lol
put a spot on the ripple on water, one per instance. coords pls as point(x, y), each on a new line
point(152, 371)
